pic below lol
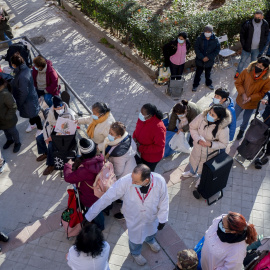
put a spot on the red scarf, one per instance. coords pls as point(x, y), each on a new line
point(262, 74)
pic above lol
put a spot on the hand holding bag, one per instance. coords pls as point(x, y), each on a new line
point(179, 143)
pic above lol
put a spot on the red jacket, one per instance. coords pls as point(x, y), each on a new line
point(151, 135)
point(85, 174)
point(51, 79)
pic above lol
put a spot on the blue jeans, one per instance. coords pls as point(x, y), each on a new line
point(136, 249)
point(267, 43)
point(246, 116)
point(245, 56)
point(48, 99)
point(7, 38)
point(44, 149)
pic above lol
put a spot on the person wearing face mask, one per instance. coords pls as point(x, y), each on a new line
point(145, 207)
point(253, 38)
point(149, 135)
point(187, 259)
point(24, 93)
point(222, 97)
point(210, 132)
point(252, 85)
point(99, 123)
point(207, 47)
point(226, 241)
point(183, 112)
point(83, 174)
point(175, 54)
point(44, 140)
point(45, 79)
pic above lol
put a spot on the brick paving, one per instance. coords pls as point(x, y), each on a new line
point(31, 203)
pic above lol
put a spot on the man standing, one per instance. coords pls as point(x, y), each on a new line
point(207, 48)
point(267, 18)
point(145, 207)
point(252, 85)
point(253, 37)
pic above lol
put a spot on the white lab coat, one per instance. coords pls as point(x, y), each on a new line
point(141, 218)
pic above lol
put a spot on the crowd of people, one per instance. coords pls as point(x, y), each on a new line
point(141, 192)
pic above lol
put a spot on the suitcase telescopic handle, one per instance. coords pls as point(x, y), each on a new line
point(208, 155)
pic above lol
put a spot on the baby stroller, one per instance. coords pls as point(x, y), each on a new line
point(254, 144)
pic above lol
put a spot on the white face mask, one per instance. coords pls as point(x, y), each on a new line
point(207, 34)
point(60, 111)
point(181, 41)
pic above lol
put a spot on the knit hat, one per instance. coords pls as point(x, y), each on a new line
point(57, 102)
point(188, 259)
point(87, 146)
point(208, 28)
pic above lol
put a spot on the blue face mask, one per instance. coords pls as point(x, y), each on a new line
point(36, 68)
point(181, 115)
point(210, 118)
point(110, 137)
point(137, 186)
point(216, 101)
point(94, 117)
point(141, 117)
point(181, 41)
point(220, 225)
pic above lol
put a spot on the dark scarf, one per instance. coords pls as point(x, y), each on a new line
point(144, 189)
point(55, 114)
point(231, 237)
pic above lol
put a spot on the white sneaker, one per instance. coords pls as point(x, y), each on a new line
point(189, 174)
point(39, 131)
point(3, 166)
point(155, 246)
point(30, 128)
point(139, 259)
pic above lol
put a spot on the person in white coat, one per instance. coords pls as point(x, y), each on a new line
point(226, 241)
point(145, 207)
point(98, 123)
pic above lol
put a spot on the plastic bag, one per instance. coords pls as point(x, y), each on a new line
point(198, 250)
point(164, 75)
point(179, 143)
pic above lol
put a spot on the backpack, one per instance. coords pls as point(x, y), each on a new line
point(104, 179)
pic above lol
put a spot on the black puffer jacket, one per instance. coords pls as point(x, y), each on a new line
point(211, 52)
point(24, 92)
point(247, 31)
point(170, 49)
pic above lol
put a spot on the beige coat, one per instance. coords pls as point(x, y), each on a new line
point(101, 130)
point(199, 127)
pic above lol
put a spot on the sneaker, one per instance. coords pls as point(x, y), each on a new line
point(30, 128)
point(155, 246)
point(3, 166)
point(48, 170)
point(3, 237)
point(240, 135)
point(8, 144)
point(189, 174)
point(39, 131)
point(196, 194)
point(41, 157)
point(236, 75)
point(194, 89)
point(119, 216)
point(139, 259)
point(211, 87)
point(17, 147)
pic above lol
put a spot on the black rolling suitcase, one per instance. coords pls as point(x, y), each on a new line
point(215, 175)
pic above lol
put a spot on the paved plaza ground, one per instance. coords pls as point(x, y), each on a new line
point(31, 204)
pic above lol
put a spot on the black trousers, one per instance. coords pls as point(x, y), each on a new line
point(176, 70)
point(151, 165)
point(198, 74)
point(36, 120)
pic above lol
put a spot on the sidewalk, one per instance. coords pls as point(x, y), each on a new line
point(31, 203)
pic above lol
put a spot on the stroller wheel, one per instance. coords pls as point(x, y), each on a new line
point(264, 160)
point(258, 164)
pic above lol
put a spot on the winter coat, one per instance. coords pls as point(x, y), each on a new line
point(150, 134)
point(247, 31)
point(51, 79)
point(199, 127)
point(8, 107)
point(101, 130)
point(211, 52)
point(267, 17)
point(256, 89)
point(192, 111)
point(123, 157)
point(50, 122)
point(266, 112)
point(170, 49)
point(86, 173)
point(5, 26)
point(24, 92)
point(221, 255)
